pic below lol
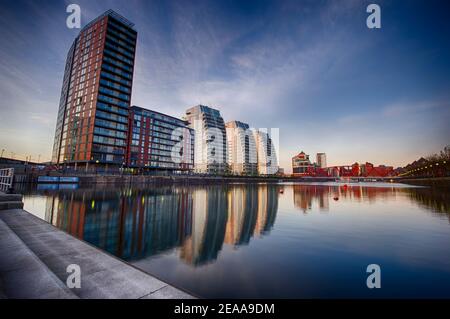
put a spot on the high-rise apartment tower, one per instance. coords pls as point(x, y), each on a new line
point(92, 121)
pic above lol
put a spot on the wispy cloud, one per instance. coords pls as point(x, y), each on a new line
point(310, 68)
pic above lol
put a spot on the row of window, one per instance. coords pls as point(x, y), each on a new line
point(160, 164)
point(102, 157)
point(169, 144)
point(160, 158)
point(156, 146)
point(113, 101)
point(117, 71)
point(115, 86)
point(108, 132)
point(111, 125)
point(115, 40)
point(159, 152)
point(109, 140)
point(118, 58)
point(114, 93)
point(120, 51)
point(117, 63)
point(159, 119)
point(113, 109)
point(122, 29)
point(115, 78)
point(122, 36)
point(108, 149)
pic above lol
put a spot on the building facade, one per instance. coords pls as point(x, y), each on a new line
point(301, 165)
point(242, 156)
point(210, 143)
point(92, 122)
point(159, 141)
point(266, 154)
point(321, 160)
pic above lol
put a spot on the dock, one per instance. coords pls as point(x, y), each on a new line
point(34, 256)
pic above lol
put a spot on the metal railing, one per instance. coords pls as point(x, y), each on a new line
point(6, 179)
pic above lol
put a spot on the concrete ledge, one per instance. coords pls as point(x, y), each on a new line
point(102, 275)
point(10, 197)
point(10, 201)
point(23, 275)
point(10, 205)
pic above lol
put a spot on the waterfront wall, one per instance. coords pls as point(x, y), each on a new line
point(151, 179)
point(442, 182)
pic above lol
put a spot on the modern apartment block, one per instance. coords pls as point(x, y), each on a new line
point(267, 155)
point(159, 141)
point(241, 143)
point(301, 165)
point(92, 121)
point(321, 160)
point(210, 154)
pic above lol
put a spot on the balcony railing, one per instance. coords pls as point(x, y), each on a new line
point(6, 179)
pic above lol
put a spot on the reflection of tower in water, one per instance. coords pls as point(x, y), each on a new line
point(155, 222)
point(127, 223)
point(252, 210)
point(267, 208)
point(242, 205)
point(306, 195)
point(230, 215)
point(208, 230)
point(136, 223)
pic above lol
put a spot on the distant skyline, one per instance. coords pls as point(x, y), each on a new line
point(310, 68)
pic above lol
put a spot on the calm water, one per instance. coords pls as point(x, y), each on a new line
point(267, 240)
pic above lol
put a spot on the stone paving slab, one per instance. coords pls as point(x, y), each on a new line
point(102, 275)
point(23, 275)
point(10, 197)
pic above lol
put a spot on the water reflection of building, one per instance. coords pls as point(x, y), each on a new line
point(231, 215)
point(137, 223)
point(435, 198)
point(209, 222)
point(267, 208)
point(155, 223)
point(306, 195)
point(251, 211)
point(129, 224)
point(242, 152)
point(242, 206)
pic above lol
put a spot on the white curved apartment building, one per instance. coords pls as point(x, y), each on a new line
point(210, 143)
point(267, 155)
point(241, 143)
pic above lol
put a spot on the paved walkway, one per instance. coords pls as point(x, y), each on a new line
point(34, 256)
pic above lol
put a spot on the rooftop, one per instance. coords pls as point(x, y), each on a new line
point(113, 14)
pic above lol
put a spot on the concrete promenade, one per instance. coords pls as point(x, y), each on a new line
point(34, 256)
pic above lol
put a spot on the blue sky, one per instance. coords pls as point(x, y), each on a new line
point(310, 68)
